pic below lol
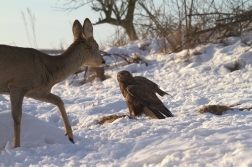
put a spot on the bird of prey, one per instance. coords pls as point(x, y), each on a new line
point(140, 96)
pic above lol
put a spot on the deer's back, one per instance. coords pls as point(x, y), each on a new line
point(23, 67)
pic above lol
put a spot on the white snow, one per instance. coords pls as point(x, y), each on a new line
point(188, 139)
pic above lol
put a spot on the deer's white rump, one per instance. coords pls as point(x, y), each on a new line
point(31, 73)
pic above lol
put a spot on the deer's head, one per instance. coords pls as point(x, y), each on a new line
point(89, 46)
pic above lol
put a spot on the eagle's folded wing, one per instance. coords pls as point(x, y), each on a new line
point(149, 99)
point(151, 84)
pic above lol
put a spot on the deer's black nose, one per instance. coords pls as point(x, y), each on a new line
point(103, 62)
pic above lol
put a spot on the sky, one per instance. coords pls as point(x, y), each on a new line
point(51, 25)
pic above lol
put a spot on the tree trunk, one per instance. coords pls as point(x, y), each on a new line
point(129, 27)
point(126, 23)
point(130, 30)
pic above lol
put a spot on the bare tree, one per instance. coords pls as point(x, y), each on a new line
point(230, 18)
point(178, 24)
point(183, 24)
point(115, 12)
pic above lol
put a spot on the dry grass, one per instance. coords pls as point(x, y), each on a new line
point(214, 109)
point(220, 109)
point(93, 73)
point(109, 119)
point(236, 65)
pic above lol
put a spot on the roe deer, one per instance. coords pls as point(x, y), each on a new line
point(26, 72)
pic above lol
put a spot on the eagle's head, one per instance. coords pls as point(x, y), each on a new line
point(124, 76)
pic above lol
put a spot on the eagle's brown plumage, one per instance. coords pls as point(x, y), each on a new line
point(139, 93)
point(149, 83)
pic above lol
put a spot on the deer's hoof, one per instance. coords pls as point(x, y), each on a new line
point(71, 140)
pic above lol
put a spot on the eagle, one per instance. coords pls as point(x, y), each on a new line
point(140, 95)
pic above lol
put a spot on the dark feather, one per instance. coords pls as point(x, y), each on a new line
point(149, 99)
point(140, 96)
point(150, 84)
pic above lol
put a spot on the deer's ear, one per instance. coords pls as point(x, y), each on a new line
point(77, 29)
point(87, 29)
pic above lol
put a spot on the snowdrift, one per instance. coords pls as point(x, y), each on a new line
point(214, 74)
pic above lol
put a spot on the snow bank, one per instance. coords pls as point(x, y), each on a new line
point(188, 139)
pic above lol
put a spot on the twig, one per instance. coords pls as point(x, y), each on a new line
point(248, 49)
point(123, 56)
point(73, 79)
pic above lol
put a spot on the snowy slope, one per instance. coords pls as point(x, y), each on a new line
point(188, 139)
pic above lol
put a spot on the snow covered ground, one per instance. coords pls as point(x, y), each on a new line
point(188, 139)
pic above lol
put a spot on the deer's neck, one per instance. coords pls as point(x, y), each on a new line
point(66, 64)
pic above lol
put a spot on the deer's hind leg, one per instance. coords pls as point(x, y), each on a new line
point(16, 98)
point(56, 100)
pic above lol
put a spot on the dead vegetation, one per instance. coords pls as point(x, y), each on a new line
point(185, 24)
point(236, 65)
point(220, 109)
point(109, 119)
point(92, 73)
point(178, 24)
point(181, 24)
point(30, 27)
point(214, 109)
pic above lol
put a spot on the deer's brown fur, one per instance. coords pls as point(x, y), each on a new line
point(26, 72)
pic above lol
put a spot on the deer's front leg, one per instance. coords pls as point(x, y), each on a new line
point(16, 98)
point(56, 100)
